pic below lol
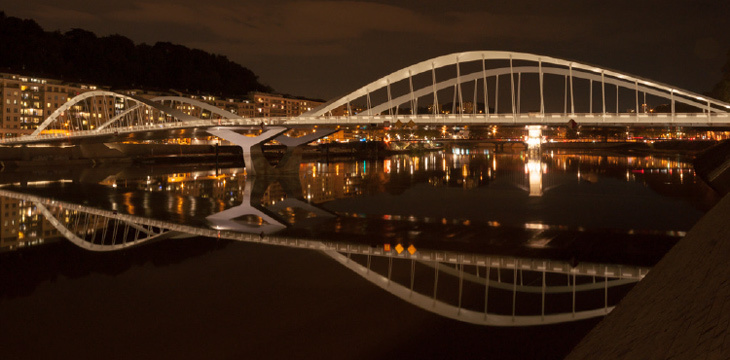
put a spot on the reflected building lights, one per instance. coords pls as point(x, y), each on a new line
point(321, 183)
point(534, 170)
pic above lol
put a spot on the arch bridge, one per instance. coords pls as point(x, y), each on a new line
point(552, 91)
point(478, 87)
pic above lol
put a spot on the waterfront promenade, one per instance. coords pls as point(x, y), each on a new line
point(681, 310)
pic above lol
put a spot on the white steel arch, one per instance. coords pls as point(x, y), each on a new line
point(565, 67)
point(456, 312)
point(213, 109)
point(142, 234)
point(139, 101)
point(180, 99)
point(403, 99)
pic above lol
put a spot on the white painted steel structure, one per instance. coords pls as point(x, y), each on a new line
point(91, 111)
point(97, 113)
point(543, 65)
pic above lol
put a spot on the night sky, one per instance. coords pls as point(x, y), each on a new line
point(328, 48)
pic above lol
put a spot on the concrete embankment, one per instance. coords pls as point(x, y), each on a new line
point(713, 165)
point(94, 153)
point(90, 154)
point(175, 153)
point(87, 154)
point(662, 147)
point(681, 310)
point(659, 147)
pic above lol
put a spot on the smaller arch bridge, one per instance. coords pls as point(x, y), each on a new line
point(99, 109)
point(101, 113)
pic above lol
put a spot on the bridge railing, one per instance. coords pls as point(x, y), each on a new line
point(141, 128)
point(688, 119)
point(590, 119)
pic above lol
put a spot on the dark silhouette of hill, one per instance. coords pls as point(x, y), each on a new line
point(721, 91)
point(80, 56)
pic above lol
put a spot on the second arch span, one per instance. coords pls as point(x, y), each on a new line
point(545, 65)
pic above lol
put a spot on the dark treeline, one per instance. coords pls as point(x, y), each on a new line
point(80, 56)
point(721, 91)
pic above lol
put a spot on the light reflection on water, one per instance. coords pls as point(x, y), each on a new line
point(554, 191)
point(482, 238)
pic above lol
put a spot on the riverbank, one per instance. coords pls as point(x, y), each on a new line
point(660, 147)
point(680, 310)
point(688, 148)
point(231, 155)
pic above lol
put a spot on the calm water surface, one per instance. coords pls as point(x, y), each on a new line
point(398, 257)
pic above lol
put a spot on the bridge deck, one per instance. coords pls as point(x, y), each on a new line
point(199, 127)
point(589, 119)
point(681, 309)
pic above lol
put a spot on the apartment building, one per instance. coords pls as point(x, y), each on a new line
point(273, 105)
point(27, 101)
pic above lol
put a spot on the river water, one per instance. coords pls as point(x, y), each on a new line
point(464, 253)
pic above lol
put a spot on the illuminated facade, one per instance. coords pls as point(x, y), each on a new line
point(27, 101)
point(242, 108)
point(23, 225)
point(273, 105)
point(9, 219)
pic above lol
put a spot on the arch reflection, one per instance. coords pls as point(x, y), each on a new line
point(129, 206)
point(482, 289)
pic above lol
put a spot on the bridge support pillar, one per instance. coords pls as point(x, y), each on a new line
point(253, 154)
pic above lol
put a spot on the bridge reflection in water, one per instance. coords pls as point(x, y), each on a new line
point(104, 230)
point(474, 287)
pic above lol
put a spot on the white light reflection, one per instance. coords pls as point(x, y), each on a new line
point(534, 171)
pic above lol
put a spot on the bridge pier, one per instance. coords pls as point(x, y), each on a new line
point(253, 154)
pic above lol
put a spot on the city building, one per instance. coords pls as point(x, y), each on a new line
point(23, 225)
point(27, 101)
point(9, 218)
point(274, 105)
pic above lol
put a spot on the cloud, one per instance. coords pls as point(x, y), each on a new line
point(53, 17)
point(351, 40)
point(318, 28)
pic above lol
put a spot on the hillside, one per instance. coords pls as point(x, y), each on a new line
point(80, 56)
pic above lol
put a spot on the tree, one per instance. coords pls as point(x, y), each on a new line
point(721, 91)
point(115, 61)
